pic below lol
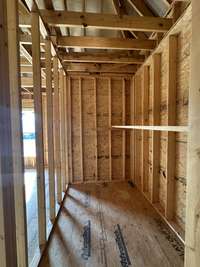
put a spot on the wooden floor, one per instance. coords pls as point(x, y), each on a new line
point(110, 225)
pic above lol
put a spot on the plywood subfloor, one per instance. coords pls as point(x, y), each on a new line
point(123, 229)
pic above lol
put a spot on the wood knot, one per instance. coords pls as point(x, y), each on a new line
point(160, 24)
point(82, 17)
point(84, 25)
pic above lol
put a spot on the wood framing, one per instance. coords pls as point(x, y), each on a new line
point(13, 241)
point(50, 133)
point(62, 129)
point(123, 131)
point(65, 84)
point(155, 134)
point(110, 124)
point(106, 21)
point(192, 244)
point(145, 121)
point(171, 120)
point(132, 141)
point(178, 129)
point(35, 31)
point(81, 130)
point(101, 67)
point(57, 129)
point(105, 43)
point(95, 125)
point(70, 131)
point(137, 135)
point(116, 57)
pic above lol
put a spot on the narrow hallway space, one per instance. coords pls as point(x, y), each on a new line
point(110, 225)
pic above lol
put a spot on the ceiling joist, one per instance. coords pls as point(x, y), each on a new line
point(106, 21)
point(101, 57)
point(105, 43)
point(94, 67)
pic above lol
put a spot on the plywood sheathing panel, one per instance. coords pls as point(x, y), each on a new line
point(95, 106)
point(76, 129)
point(116, 140)
point(102, 128)
point(88, 123)
point(183, 31)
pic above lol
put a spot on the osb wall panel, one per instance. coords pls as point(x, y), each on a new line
point(183, 31)
point(88, 117)
point(95, 128)
point(102, 128)
point(76, 128)
point(116, 119)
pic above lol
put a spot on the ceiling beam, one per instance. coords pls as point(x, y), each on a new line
point(106, 21)
point(95, 67)
point(105, 43)
point(101, 57)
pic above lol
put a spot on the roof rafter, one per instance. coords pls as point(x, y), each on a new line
point(140, 7)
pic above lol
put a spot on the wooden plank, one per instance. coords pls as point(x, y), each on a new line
point(62, 129)
point(114, 57)
point(13, 242)
point(2, 226)
point(155, 134)
point(192, 244)
point(81, 131)
point(145, 134)
point(65, 83)
point(93, 67)
point(132, 141)
point(178, 129)
point(137, 120)
point(50, 134)
point(17, 143)
point(124, 132)
point(35, 30)
point(110, 123)
point(105, 21)
point(95, 125)
point(57, 129)
point(171, 120)
point(70, 130)
point(105, 43)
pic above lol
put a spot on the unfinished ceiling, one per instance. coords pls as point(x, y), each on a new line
point(96, 35)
